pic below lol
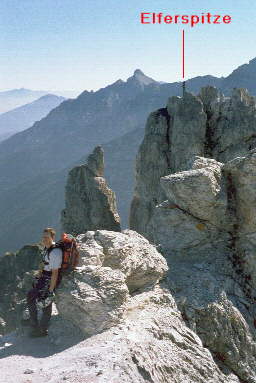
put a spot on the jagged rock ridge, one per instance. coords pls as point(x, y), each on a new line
point(194, 199)
point(205, 125)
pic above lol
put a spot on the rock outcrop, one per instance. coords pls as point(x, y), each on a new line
point(195, 325)
point(90, 203)
point(94, 300)
point(241, 175)
point(112, 265)
point(128, 251)
point(196, 204)
point(134, 332)
point(206, 229)
point(151, 344)
point(208, 125)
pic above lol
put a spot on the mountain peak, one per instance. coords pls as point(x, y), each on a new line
point(253, 61)
point(139, 76)
point(138, 72)
point(248, 68)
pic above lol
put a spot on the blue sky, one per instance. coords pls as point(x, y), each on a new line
point(88, 44)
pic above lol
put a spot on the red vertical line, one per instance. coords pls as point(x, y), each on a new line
point(183, 53)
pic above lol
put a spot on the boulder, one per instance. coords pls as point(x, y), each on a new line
point(112, 266)
point(198, 192)
point(127, 251)
point(94, 300)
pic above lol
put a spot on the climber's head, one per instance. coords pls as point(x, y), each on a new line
point(48, 236)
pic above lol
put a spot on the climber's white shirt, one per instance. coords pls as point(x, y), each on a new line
point(55, 259)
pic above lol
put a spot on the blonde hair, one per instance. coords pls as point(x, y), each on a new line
point(51, 231)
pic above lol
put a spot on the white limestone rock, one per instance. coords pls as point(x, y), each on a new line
point(127, 251)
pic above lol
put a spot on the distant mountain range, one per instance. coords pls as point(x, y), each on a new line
point(11, 99)
point(242, 77)
point(24, 116)
point(34, 163)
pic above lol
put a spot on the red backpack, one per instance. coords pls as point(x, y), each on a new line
point(70, 253)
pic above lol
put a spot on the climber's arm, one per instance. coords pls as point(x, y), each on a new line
point(53, 279)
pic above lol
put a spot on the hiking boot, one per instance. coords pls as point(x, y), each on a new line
point(38, 332)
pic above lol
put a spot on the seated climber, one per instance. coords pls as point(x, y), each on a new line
point(47, 280)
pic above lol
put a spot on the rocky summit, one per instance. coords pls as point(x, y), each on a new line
point(172, 298)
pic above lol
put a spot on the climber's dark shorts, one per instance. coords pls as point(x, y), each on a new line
point(45, 280)
point(39, 286)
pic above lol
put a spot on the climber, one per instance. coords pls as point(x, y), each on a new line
point(47, 279)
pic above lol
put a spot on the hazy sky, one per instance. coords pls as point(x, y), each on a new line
point(88, 44)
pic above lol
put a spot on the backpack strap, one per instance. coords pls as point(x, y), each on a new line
point(49, 249)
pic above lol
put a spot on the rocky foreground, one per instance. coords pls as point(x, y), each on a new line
point(117, 320)
point(114, 323)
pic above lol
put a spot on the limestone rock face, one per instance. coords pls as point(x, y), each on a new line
point(90, 203)
point(151, 344)
point(231, 339)
point(127, 251)
point(199, 192)
point(94, 300)
point(231, 126)
point(197, 205)
point(205, 223)
point(187, 130)
point(152, 159)
point(208, 125)
point(241, 173)
point(201, 332)
point(112, 265)
point(205, 228)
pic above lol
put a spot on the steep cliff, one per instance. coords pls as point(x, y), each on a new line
point(195, 200)
point(208, 125)
point(206, 230)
